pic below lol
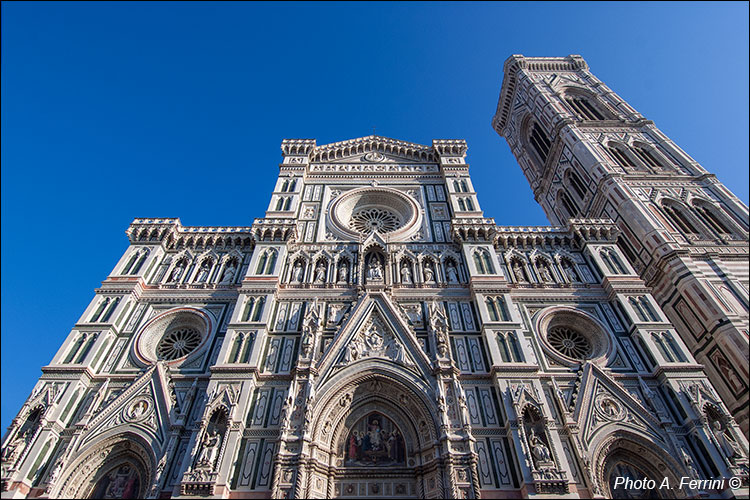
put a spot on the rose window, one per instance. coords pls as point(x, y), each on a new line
point(378, 219)
point(569, 342)
point(178, 343)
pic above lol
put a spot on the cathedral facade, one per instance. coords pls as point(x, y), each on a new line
point(375, 335)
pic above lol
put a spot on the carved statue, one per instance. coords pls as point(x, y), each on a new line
point(572, 275)
point(518, 272)
point(544, 271)
point(406, 275)
point(320, 273)
point(451, 273)
point(228, 274)
point(375, 269)
point(687, 460)
point(343, 273)
point(539, 450)
point(16, 447)
point(429, 274)
point(210, 449)
point(440, 326)
point(203, 272)
point(55, 474)
point(728, 446)
point(177, 271)
point(297, 273)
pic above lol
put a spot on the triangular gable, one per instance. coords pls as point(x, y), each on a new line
point(603, 402)
point(144, 406)
point(375, 329)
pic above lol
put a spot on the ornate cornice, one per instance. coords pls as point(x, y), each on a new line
point(516, 63)
point(373, 143)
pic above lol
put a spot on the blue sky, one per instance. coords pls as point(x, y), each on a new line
point(112, 111)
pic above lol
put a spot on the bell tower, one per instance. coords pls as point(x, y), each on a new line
point(588, 154)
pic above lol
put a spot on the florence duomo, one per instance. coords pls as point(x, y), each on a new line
point(377, 335)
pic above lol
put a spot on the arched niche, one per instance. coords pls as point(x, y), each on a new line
point(626, 454)
point(369, 389)
point(118, 467)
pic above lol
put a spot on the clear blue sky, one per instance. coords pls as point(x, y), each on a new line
point(112, 111)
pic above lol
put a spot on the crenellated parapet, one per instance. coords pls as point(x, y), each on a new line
point(268, 229)
point(173, 234)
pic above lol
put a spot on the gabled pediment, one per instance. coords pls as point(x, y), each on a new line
point(374, 330)
point(144, 406)
point(604, 404)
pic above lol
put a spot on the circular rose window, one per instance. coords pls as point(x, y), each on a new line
point(363, 211)
point(570, 336)
point(173, 336)
point(178, 343)
point(569, 342)
point(368, 220)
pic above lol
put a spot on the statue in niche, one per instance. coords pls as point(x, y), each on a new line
point(320, 273)
point(228, 274)
point(429, 274)
point(55, 474)
point(728, 446)
point(203, 272)
point(544, 271)
point(539, 450)
point(687, 460)
point(15, 448)
point(570, 271)
point(297, 272)
point(518, 272)
point(343, 273)
point(440, 326)
point(179, 268)
point(310, 327)
point(210, 449)
point(406, 274)
point(451, 273)
point(375, 269)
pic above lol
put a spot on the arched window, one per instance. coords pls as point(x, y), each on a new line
point(130, 263)
point(567, 204)
point(469, 204)
point(271, 262)
point(540, 142)
point(262, 263)
point(607, 262)
point(620, 157)
point(461, 204)
point(647, 157)
point(288, 203)
point(672, 345)
point(76, 347)
point(710, 218)
point(111, 309)
point(478, 263)
point(284, 185)
point(665, 353)
point(139, 263)
point(292, 185)
point(258, 308)
point(280, 204)
point(492, 309)
point(99, 310)
point(248, 308)
point(577, 184)
point(678, 218)
point(456, 187)
point(583, 108)
point(464, 187)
